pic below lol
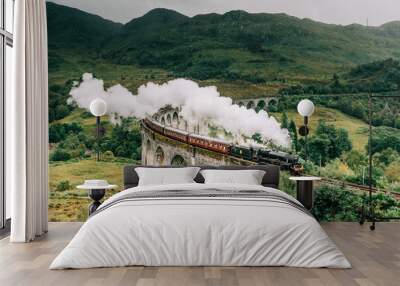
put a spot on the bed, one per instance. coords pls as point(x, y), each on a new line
point(198, 224)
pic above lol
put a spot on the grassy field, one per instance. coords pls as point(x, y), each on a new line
point(88, 123)
point(72, 205)
point(76, 63)
point(358, 130)
point(132, 76)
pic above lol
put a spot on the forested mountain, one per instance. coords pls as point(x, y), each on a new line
point(236, 45)
point(73, 28)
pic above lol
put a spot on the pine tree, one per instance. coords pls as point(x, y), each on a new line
point(293, 134)
point(285, 121)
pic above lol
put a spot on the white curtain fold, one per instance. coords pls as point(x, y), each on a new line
point(27, 142)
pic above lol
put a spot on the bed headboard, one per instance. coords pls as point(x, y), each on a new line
point(271, 178)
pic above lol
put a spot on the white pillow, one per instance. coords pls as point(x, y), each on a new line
point(247, 177)
point(166, 176)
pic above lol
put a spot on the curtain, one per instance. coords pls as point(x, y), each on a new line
point(27, 123)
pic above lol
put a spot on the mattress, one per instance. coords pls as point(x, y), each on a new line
point(201, 225)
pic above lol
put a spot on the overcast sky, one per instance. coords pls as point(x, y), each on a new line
point(329, 11)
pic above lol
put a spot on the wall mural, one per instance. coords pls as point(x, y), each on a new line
point(222, 88)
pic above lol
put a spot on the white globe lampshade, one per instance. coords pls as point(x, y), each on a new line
point(98, 107)
point(305, 108)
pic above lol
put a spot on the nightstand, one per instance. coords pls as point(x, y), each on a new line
point(96, 191)
point(305, 191)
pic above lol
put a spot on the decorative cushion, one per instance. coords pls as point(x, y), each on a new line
point(247, 177)
point(166, 176)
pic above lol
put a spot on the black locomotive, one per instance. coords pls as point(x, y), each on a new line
point(266, 156)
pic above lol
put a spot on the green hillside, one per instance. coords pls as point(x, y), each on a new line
point(358, 130)
point(260, 52)
point(73, 28)
point(262, 45)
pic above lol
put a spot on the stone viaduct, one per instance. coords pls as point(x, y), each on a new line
point(159, 150)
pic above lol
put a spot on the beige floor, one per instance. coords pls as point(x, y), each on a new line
point(375, 257)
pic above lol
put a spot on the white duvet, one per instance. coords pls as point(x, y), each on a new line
point(200, 231)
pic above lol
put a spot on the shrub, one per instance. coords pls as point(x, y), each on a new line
point(328, 143)
point(286, 185)
point(337, 169)
point(56, 133)
point(63, 186)
point(59, 132)
point(336, 204)
point(395, 187)
point(385, 205)
point(108, 156)
point(392, 172)
point(60, 155)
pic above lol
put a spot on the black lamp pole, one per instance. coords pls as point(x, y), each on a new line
point(370, 216)
point(305, 108)
point(303, 131)
point(371, 208)
point(98, 108)
point(98, 138)
point(305, 138)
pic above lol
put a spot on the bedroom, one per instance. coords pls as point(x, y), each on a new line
point(304, 89)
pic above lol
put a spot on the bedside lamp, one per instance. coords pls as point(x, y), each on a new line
point(305, 108)
point(98, 108)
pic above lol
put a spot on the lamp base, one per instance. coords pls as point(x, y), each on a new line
point(304, 130)
point(96, 195)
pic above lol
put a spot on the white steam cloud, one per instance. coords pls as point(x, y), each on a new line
point(198, 104)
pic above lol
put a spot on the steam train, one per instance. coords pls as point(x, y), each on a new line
point(260, 155)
